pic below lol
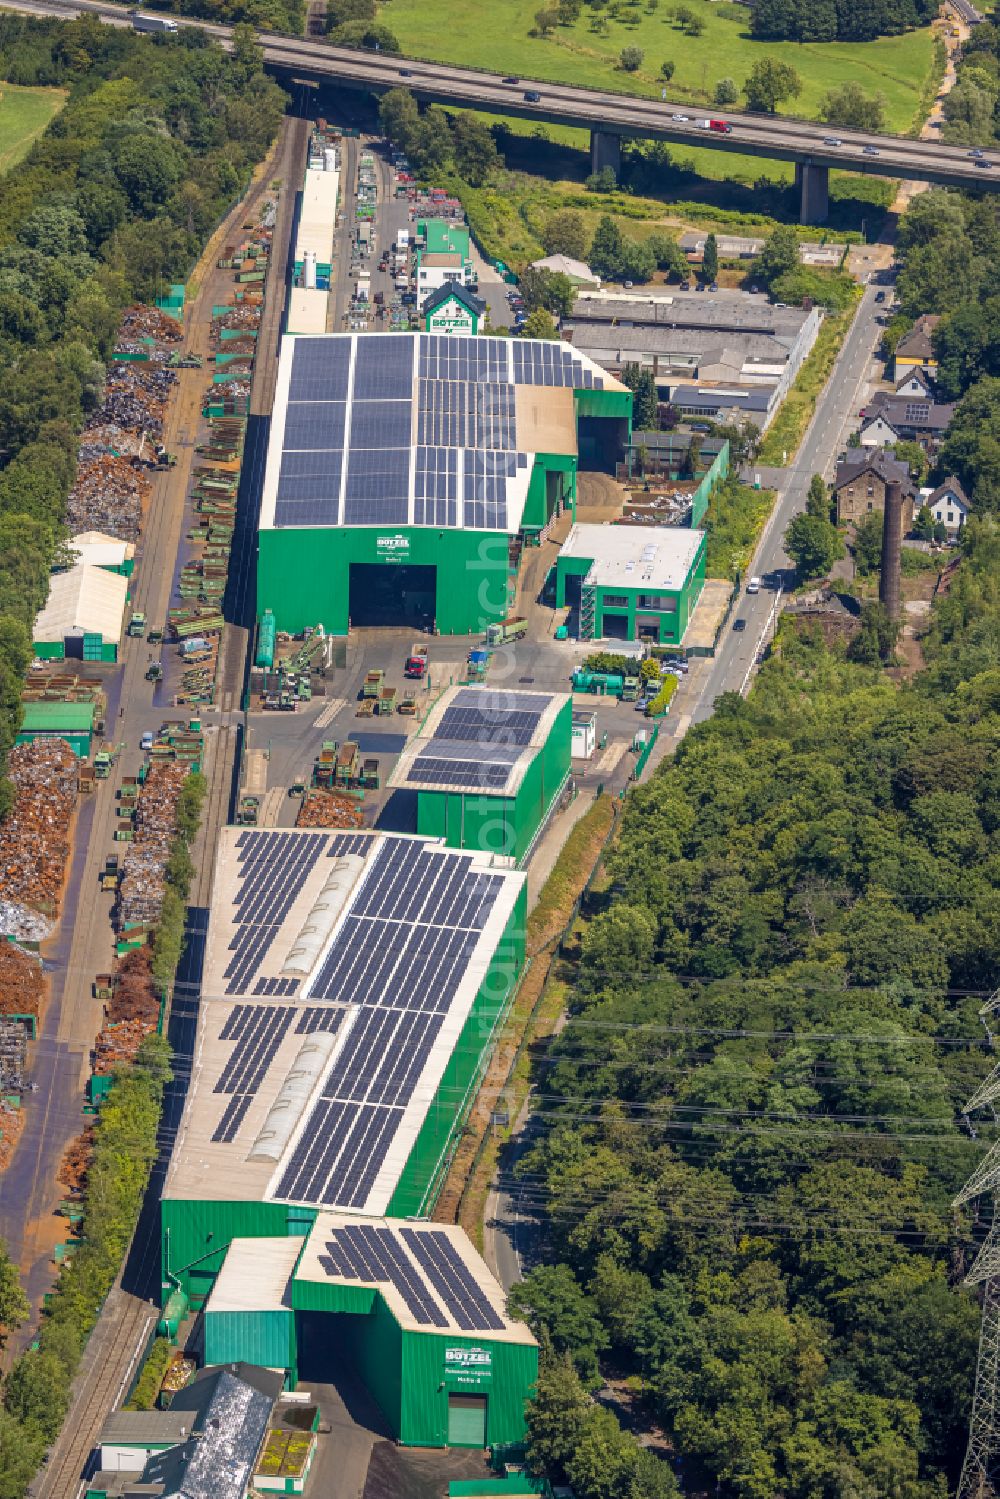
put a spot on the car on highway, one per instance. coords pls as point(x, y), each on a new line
point(531, 96)
point(986, 165)
point(976, 153)
point(739, 625)
point(511, 79)
point(682, 119)
point(832, 140)
point(406, 72)
point(754, 585)
point(880, 296)
point(871, 151)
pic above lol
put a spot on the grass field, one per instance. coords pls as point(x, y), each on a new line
point(496, 37)
point(24, 113)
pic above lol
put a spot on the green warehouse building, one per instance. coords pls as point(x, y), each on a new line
point(486, 766)
point(402, 467)
point(352, 984)
point(631, 582)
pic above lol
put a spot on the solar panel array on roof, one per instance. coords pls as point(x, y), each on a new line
point(400, 955)
point(465, 774)
point(352, 399)
point(272, 869)
point(422, 1265)
point(258, 1031)
point(492, 717)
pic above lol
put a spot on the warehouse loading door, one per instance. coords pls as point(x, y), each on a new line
point(386, 594)
point(466, 1420)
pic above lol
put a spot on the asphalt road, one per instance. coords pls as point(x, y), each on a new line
point(779, 137)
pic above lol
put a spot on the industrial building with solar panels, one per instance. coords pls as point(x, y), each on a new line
point(403, 468)
point(352, 986)
point(486, 766)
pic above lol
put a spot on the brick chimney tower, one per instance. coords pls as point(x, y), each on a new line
point(892, 545)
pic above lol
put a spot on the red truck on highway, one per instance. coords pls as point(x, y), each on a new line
point(721, 126)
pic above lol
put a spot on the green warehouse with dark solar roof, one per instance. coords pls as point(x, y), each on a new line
point(352, 987)
point(402, 467)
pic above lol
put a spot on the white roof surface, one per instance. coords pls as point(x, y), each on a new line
point(321, 954)
point(317, 215)
point(99, 550)
point(256, 1276)
point(307, 310)
point(565, 265)
point(650, 558)
point(84, 600)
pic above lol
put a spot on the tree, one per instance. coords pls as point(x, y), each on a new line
point(851, 107)
point(551, 290)
point(667, 70)
point(555, 1416)
point(339, 12)
point(779, 255)
point(637, 260)
point(368, 35)
point(606, 1463)
point(913, 455)
point(539, 324)
point(814, 545)
point(695, 26)
point(399, 116)
point(867, 543)
point(770, 83)
point(875, 641)
point(552, 1302)
point(630, 59)
point(603, 181)
point(14, 1306)
point(818, 498)
point(971, 448)
point(569, 11)
point(726, 93)
point(923, 524)
point(546, 21)
point(475, 149)
point(565, 233)
point(606, 249)
point(710, 258)
point(645, 400)
point(668, 255)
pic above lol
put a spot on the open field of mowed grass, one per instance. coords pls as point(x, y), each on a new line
point(24, 113)
point(496, 37)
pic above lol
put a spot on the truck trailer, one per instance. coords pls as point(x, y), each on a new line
point(151, 23)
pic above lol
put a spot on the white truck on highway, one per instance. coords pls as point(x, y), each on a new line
point(151, 23)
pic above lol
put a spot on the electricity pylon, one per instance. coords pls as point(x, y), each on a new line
point(982, 1456)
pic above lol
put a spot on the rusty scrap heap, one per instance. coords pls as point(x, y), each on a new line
point(34, 840)
point(21, 982)
point(143, 881)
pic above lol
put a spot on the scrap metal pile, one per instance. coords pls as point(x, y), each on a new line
point(11, 1125)
point(76, 1161)
point(34, 839)
point(325, 809)
point(134, 399)
point(108, 495)
point(143, 881)
point(142, 328)
point(21, 982)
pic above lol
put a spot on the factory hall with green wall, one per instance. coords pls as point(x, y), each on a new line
point(353, 985)
point(403, 468)
point(491, 789)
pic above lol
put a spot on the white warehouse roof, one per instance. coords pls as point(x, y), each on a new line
point(646, 557)
point(86, 600)
point(100, 550)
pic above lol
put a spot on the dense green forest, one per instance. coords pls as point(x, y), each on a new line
point(157, 139)
point(837, 20)
point(751, 1139)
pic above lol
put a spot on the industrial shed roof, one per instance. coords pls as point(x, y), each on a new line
point(86, 600)
point(307, 307)
point(478, 740)
point(630, 557)
point(100, 550)
point(417, 429)
point(51, 718)
point(339, 971)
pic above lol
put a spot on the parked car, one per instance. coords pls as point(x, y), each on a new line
point(880, 296)
point(739, 625)
point(754, 585)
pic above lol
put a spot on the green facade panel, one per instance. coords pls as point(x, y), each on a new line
point(196, 1235)
point(264, 1338)
point(420, 1179)
point(433, 1368)
point(304, 574)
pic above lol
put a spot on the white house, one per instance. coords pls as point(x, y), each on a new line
point(948, 505)
point(916, 383)
point(878, 432)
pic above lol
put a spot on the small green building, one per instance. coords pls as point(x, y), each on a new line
point(631, 582)
point(73, 722)
point(452, 308)
point(487, 765)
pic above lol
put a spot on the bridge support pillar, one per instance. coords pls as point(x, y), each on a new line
point(813, 184)
point(605, 151)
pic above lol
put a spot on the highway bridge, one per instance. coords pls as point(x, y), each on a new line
point(609, 117)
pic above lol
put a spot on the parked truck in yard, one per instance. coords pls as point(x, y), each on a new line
point(512, 628)
point(416, 662)
point(151, 23)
